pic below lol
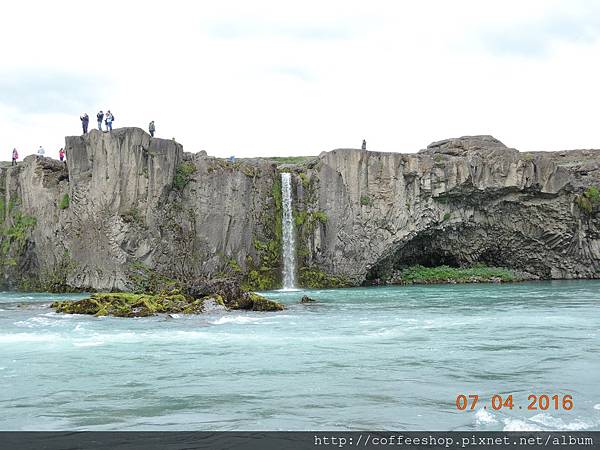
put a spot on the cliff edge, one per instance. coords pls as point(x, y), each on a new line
point(127, 208)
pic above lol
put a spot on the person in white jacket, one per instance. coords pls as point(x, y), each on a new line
point(108, 120)
point(41, 151)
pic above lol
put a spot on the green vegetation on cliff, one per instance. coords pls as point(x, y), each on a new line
point(183, 175)
point(446, 274)
point(64, 202)
point(589, 200)
point(314, 278)
point(264, 270)
point(15, 228)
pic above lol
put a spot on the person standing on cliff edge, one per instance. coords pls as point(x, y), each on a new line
point(15, 156)
point(61, 154)
point(85, 120)
point(108, 120)
point(41, 152)
point(100, 117)
point(151, 128)
point(364, 144)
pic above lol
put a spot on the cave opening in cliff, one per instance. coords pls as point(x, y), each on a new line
point(454, 247)
point(423, 250)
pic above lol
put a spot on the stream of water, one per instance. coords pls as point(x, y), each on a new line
point(289, 243)
point(386, 358)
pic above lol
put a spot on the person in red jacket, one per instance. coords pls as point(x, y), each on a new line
point(61, 154)
point(15, 156)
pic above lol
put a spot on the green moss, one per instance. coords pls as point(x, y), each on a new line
point(304, 179)
point(255, 302)
point(264, 271)
point(300, 218)
point(589, 200)
point(183, 175)
point(64, 202)
point(446, 217)
point(14, 234)
point(234, 265)
point(124, 304)
point(444, 274)
point(365, 200)
point(312, 277)
point(319, 216)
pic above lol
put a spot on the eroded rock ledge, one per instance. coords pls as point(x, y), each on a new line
point(127, 204)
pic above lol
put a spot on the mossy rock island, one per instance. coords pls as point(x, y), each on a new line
point(124, 304)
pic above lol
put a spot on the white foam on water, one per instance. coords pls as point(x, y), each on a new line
point(519, 425)
point(483, 417)
point(597, 406)
point(545, 422)
point(236, 319)
point(556, 423)
point(35, 322)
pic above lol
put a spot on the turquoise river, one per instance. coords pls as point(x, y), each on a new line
point(388, 358)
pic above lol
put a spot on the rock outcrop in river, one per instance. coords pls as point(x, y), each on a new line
point(127, 208)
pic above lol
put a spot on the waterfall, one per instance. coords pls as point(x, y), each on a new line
point(289, 244)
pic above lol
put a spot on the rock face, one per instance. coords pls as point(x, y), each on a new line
point(126, 203)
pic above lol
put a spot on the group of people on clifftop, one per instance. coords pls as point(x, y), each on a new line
point(40, 153)
point(108, 118)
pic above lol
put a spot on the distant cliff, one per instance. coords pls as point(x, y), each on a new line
point(127, 209)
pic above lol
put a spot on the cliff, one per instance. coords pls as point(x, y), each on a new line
point(127, 208)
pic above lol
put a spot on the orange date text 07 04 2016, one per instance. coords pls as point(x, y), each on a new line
point(534, 402)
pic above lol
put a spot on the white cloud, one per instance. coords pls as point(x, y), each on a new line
point(274, 78)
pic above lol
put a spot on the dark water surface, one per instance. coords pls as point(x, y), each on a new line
point(374, 358)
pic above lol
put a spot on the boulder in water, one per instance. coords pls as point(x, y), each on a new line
point(307, 299)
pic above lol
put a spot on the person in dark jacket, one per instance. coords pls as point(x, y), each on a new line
point(85, 120)
point(151, 128)
point(364, 144)
point(100, 117)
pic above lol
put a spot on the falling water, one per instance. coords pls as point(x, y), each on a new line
point(289, 245)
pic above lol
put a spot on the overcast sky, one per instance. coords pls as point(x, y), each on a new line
point(271, 78)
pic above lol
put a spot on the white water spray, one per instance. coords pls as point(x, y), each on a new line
point(289, 244)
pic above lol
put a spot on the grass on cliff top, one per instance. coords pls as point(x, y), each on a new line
point(290, 159)
point(443, 274)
